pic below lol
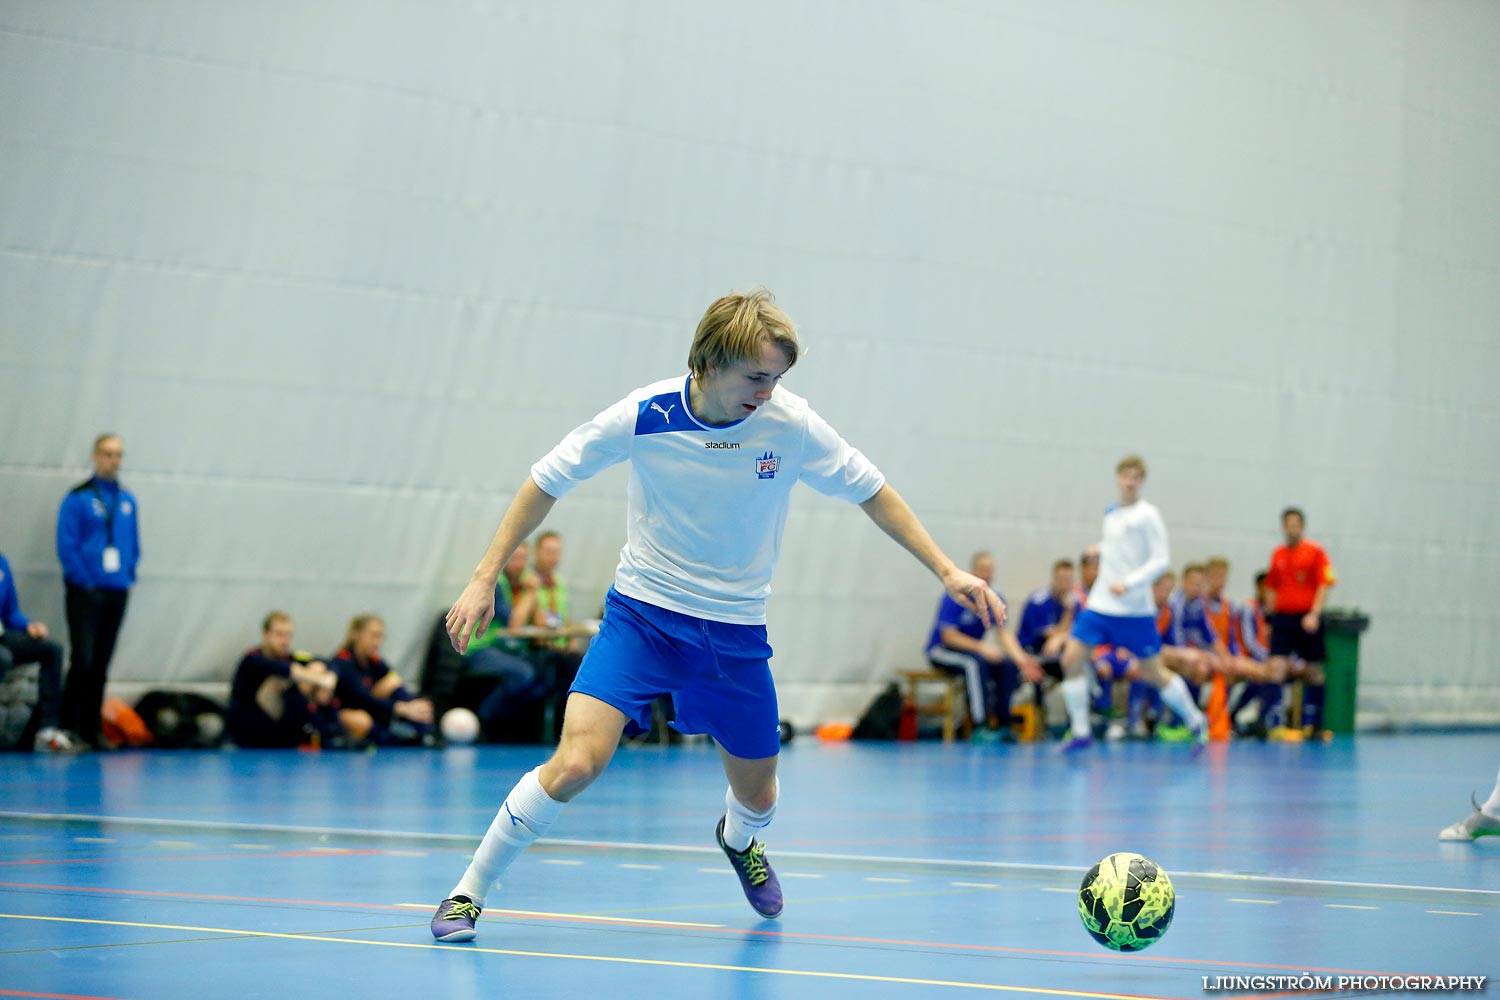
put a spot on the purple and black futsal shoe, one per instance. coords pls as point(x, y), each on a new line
point(756, 877)
point(1075, 744)
point(454, 920)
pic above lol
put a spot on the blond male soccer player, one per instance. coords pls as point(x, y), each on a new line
point(714, 455)
point(1121, 611)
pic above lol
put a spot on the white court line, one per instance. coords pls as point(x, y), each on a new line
point(976, 885)
point(1348, 906)
point(173, 843)
point(801, 875)
point(93, 840)
point(643, 868)
point(1453, 913)
point(717, 871)
point(996, 869)
point(1053, 888)
point(896, 881)
point(251, 847)
point(570, 916)
point(562, 861)
point(1258, 902)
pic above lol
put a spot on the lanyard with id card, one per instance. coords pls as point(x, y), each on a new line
point(111, 559)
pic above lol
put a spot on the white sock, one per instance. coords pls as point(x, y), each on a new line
point(1180, 700)
point(1492, 804)
point(527, 813)
point(740, 824)
point(1075, 691)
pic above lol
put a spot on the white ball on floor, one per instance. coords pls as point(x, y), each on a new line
point(459, 725)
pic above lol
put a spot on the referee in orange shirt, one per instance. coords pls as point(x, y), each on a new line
point(1299, 578)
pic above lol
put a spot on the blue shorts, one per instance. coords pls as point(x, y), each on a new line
point(1135, 633)
point(718, 674)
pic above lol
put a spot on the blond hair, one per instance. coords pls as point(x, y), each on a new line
point(358, 624)
point(734, 327)
point(272, 618)
point(1135, 462)
point(1217, 562)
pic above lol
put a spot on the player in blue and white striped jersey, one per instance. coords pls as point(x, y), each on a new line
point(714, 455)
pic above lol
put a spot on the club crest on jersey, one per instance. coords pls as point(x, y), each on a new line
point(766, 465)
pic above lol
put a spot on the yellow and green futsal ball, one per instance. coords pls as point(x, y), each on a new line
point(1126, 902)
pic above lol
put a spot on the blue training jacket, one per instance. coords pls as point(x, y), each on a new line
point(94, 515)
point(10, 600)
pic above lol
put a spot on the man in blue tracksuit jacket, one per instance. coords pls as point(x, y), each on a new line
point(99, 545)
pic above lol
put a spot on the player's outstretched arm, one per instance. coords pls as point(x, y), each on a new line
point(888, 510)
point(475, 607)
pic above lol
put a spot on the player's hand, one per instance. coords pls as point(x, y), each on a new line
point(976, 595)
point(1031, 669)
point(471, 614)
point(37, 630)
point(1310, 622)
point(1118, 589)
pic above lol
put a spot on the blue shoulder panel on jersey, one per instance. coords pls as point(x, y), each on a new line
point(661, 414)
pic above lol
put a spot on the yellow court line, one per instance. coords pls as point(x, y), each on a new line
point(663, 963)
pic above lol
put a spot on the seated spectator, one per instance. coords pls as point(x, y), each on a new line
point(1047, 618)
point(279, 698)
point(1224, 618)
point(499, 655)
point(991, 669)
point(25, 641)
point(374, 702)
point(1193, 621)
point(551, 590)
point(1258, 706)
point(1115, 666)
point(1088, 572)
point(1176, 655)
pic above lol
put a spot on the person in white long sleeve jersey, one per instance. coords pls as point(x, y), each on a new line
point(1121, 611)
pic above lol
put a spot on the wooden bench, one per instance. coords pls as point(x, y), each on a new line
point(949, 702)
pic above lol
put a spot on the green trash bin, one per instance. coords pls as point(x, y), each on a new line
point(1342, 629)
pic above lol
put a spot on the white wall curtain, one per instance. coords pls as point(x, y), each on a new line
point(339, 272)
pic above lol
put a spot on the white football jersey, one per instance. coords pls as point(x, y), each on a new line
point(1133, 551)
point(706, 505)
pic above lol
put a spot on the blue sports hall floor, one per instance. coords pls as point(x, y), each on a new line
point(910, 870)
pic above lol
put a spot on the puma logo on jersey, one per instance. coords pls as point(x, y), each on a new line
point(667, 413)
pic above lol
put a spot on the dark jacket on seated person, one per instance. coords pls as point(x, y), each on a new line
point(277, 714)
point(355, 689)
